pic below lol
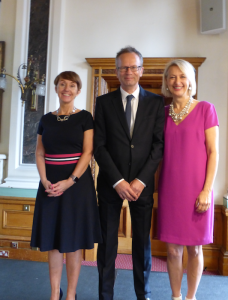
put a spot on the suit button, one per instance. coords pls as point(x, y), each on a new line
point(132, 146)
point(129, 164)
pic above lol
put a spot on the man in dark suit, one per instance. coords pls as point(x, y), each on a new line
point(128, 148)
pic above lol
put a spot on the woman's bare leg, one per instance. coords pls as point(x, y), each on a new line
point(73, 267)
point(55, 260)
point(194, 269)
point(175, 268)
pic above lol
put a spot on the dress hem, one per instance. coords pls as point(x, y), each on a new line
point(64, 251)
point(177, 241)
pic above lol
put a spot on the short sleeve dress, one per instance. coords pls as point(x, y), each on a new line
point(182, 179)
point(71, 221)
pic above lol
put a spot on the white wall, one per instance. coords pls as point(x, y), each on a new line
point(7, 30)
point(157, 29)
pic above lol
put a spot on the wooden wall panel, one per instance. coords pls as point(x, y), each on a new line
point(16, 224)
point(13, 219)
point(223, 257)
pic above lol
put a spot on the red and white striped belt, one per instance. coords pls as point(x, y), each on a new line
point(62, 159)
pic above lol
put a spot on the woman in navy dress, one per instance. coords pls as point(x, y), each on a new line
point(66, 215)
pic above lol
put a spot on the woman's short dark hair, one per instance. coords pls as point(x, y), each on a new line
point(69, 75)
point(129, 49)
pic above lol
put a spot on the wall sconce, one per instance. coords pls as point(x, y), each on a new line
point(32, 87)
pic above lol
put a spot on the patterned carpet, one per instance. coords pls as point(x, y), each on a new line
point(124, 262)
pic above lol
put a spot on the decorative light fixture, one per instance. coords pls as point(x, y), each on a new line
point(33, 85)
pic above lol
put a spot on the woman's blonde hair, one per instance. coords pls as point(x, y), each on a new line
point(187, 69)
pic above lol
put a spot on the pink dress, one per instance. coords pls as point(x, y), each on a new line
point(182, 179)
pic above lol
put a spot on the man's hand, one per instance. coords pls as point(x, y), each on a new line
point(137, 187)
point(125, 191)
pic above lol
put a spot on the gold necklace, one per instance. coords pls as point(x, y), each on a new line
point(66, 118)
point(178, 116)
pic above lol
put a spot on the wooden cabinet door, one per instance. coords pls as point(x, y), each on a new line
point(104, 80)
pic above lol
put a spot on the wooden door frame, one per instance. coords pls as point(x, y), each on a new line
point(103, 80)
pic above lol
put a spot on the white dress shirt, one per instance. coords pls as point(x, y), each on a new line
point(134, 107)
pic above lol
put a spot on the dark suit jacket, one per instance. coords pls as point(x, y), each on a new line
point(117, 154)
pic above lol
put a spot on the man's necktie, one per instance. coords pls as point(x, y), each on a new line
point(128, 111)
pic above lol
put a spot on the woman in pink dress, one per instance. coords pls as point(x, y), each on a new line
point(185, 204)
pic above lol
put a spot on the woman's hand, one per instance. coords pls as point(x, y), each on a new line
point(47, 184)
point(203, 202)
point(58, 188)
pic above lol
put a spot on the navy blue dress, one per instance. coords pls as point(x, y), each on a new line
point(68, 222)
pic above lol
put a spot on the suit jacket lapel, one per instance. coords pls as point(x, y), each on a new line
point(118, 104)
point(140, 110)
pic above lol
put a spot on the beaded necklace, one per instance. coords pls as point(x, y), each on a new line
point(178, 116)
point(65, 118)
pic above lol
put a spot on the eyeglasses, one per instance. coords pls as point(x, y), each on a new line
point(125, 69)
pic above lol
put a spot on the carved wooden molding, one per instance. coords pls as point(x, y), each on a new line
point(103, 70)
point(148, 62)
point(104, 78)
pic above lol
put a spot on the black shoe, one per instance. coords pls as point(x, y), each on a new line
point(60, 294)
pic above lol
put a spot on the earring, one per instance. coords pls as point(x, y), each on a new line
point(189, 87)
point(167, 89)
